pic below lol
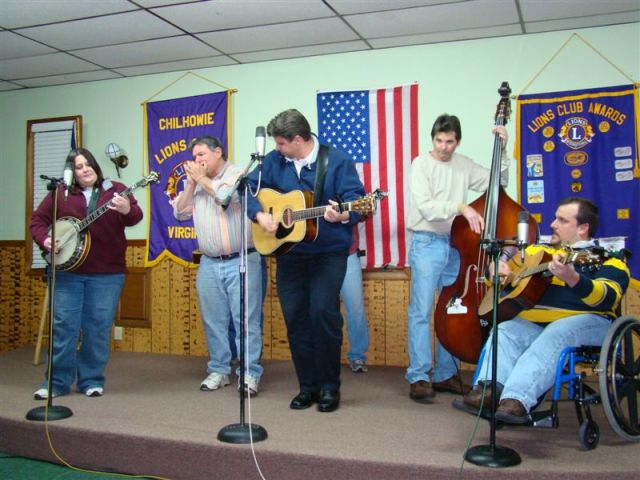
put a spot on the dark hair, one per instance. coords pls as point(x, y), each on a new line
point(288, 124)
point(587, 213)
point(209, 141)
point(447, 123)
point(91, 160)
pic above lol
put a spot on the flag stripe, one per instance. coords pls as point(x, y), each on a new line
point(399, 160)
point(384, 155)
point(379, 129)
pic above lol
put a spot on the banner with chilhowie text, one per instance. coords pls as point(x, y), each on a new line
point(583, 143)
point(379, 130)
point(170, 125)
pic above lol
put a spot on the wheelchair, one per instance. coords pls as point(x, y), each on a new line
point(617, 364)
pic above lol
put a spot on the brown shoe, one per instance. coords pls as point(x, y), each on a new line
point(474, 398)
point(452, 385)
point(512, 411)
point(421, 391)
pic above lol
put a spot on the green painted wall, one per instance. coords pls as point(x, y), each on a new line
point(456, 77)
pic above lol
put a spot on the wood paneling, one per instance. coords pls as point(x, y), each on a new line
point(174, 325)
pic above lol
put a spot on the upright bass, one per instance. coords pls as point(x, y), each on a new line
point(458, 327)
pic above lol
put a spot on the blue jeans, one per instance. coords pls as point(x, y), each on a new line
point(528, 353)
point(218, 285)
point(87, 303)
point(353, 298)
point(232, 330)
point(309, 291)
point(434, 264)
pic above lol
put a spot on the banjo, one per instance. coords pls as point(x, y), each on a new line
point(72, 235)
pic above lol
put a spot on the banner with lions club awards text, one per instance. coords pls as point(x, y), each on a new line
point(584, 144)
point(170, 125)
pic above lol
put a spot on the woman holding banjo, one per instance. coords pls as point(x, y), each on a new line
point(88, 285)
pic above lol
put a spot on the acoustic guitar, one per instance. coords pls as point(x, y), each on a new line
point(526, 284)
point(297, 222)
point(72, 235)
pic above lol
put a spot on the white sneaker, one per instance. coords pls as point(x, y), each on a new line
point(94, 392)
point(251, 384)
point(214, 381)
point(358, 366)
point(42, 394)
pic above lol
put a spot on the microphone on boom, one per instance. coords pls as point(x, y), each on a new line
point(523, 231)
point(67, 178)
point(260, 142)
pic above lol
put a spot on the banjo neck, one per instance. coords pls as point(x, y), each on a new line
point(102, 209)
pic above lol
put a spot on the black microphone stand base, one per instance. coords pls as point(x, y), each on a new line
point(492, 456)
point(242, 433)
point(53, 412)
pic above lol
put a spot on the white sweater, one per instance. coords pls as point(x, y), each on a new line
point(437, 189)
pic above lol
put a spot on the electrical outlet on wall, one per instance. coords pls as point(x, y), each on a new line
point(117, 333)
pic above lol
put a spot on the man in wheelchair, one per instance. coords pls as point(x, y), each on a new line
point(576, 308)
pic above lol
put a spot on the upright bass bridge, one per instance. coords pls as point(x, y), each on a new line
point(454, 305)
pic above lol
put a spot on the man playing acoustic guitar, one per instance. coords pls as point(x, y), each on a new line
point(576, 309)
point(309, 276)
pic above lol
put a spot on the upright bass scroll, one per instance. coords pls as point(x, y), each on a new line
point(457, 324)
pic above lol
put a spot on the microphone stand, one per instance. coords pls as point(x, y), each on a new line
point(242, 432)
point(493, 455)
point(50, 411)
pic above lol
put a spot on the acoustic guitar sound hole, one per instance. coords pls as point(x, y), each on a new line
point(287, 218)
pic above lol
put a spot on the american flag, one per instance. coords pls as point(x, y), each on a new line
point(379, 129)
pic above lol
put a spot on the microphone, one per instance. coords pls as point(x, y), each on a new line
point(67, 178)
point(260, 142)
point(523, 231)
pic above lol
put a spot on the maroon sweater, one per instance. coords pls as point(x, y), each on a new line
point(108, 241)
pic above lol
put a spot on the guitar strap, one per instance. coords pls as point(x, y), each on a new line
point(321, 170)
point(93, 200)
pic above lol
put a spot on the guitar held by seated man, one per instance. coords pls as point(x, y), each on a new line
point(523, 282)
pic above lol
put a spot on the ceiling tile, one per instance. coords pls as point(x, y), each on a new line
point(195, 63)
point(20, 13)
point(534, 10)
point(275, 36)
point(66, 79)
point(107, 30)
point(301, 51)
point(160, 3)
point(139, 37)
point(15, 46)
point(228, 14)
point(346, 7)
point(6, 86)
point(437, 18)
point(50, 64)
point(438, 37)
point(149, 51)
point(582, 22)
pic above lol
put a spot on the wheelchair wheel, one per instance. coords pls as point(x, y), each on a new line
point(619, 374)
point(589, 434)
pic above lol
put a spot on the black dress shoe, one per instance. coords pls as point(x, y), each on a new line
point(303, 400)
point(329, 400)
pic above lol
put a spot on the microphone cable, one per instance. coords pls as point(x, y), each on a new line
point(246, 338)
point(50, 394)
point(476, 424)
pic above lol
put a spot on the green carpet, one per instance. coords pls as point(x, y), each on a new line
point(21, 468)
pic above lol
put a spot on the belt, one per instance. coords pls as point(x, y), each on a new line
point(231, 256)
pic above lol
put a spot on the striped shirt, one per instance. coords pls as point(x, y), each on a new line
point(217, 229)
point(599, 291)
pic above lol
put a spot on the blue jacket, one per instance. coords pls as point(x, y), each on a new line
point(341, 181)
